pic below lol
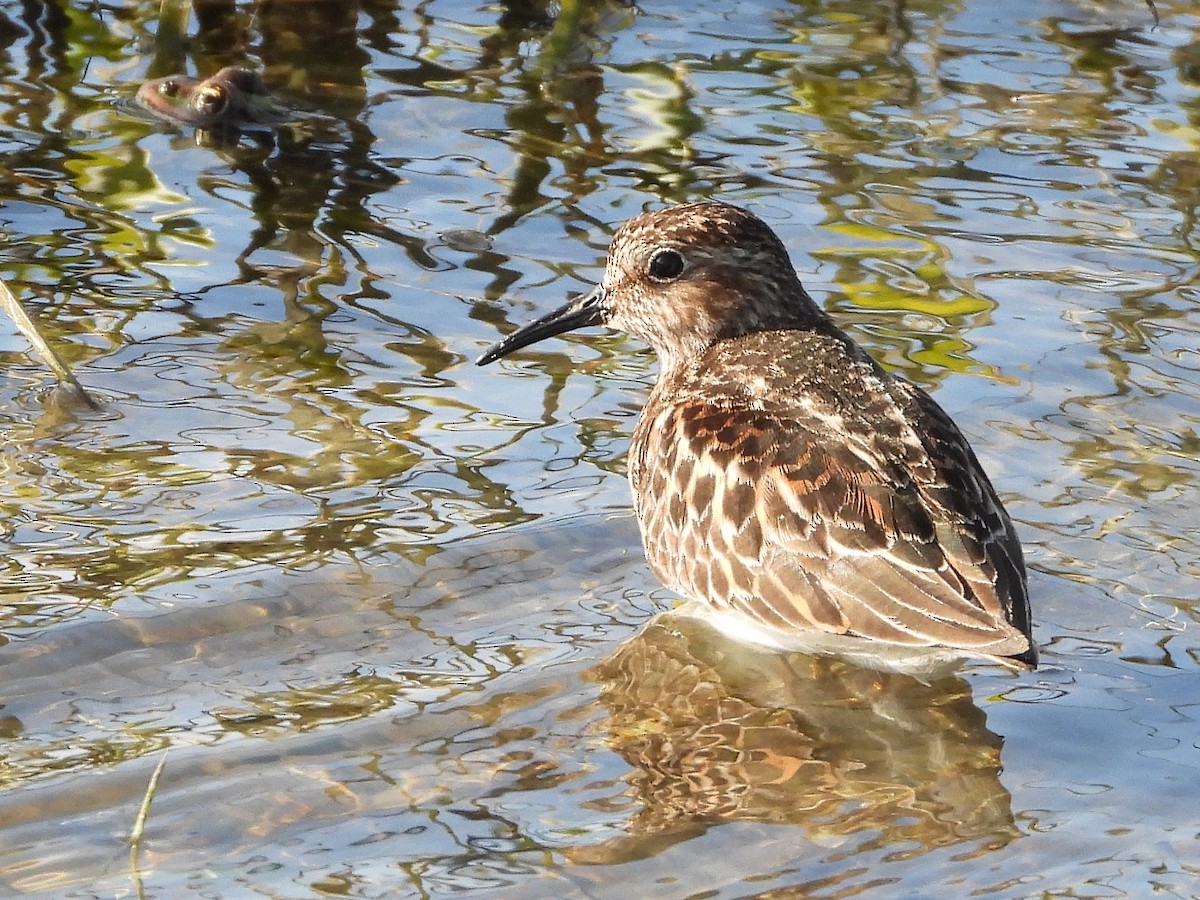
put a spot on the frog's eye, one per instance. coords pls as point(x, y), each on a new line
point(169, 88)
point(211, 100)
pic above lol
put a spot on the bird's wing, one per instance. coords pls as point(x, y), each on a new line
point(804, 527)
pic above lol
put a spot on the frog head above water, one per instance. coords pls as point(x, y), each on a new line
point(232, 97)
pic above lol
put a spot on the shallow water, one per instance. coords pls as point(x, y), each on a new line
point(387, 612)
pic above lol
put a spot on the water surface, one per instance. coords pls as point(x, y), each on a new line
point(387, 612)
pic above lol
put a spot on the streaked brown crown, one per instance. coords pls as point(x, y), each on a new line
point(736, 278)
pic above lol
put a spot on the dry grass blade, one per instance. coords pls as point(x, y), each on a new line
point(139, 824)
point(29, 328)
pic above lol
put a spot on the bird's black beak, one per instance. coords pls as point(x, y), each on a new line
point(586, 309)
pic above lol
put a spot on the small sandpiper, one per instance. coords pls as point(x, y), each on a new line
point(806, 498)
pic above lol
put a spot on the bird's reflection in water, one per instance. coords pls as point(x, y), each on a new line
point(716, 732)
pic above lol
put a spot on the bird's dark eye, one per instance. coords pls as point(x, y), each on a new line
point(666, 265)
